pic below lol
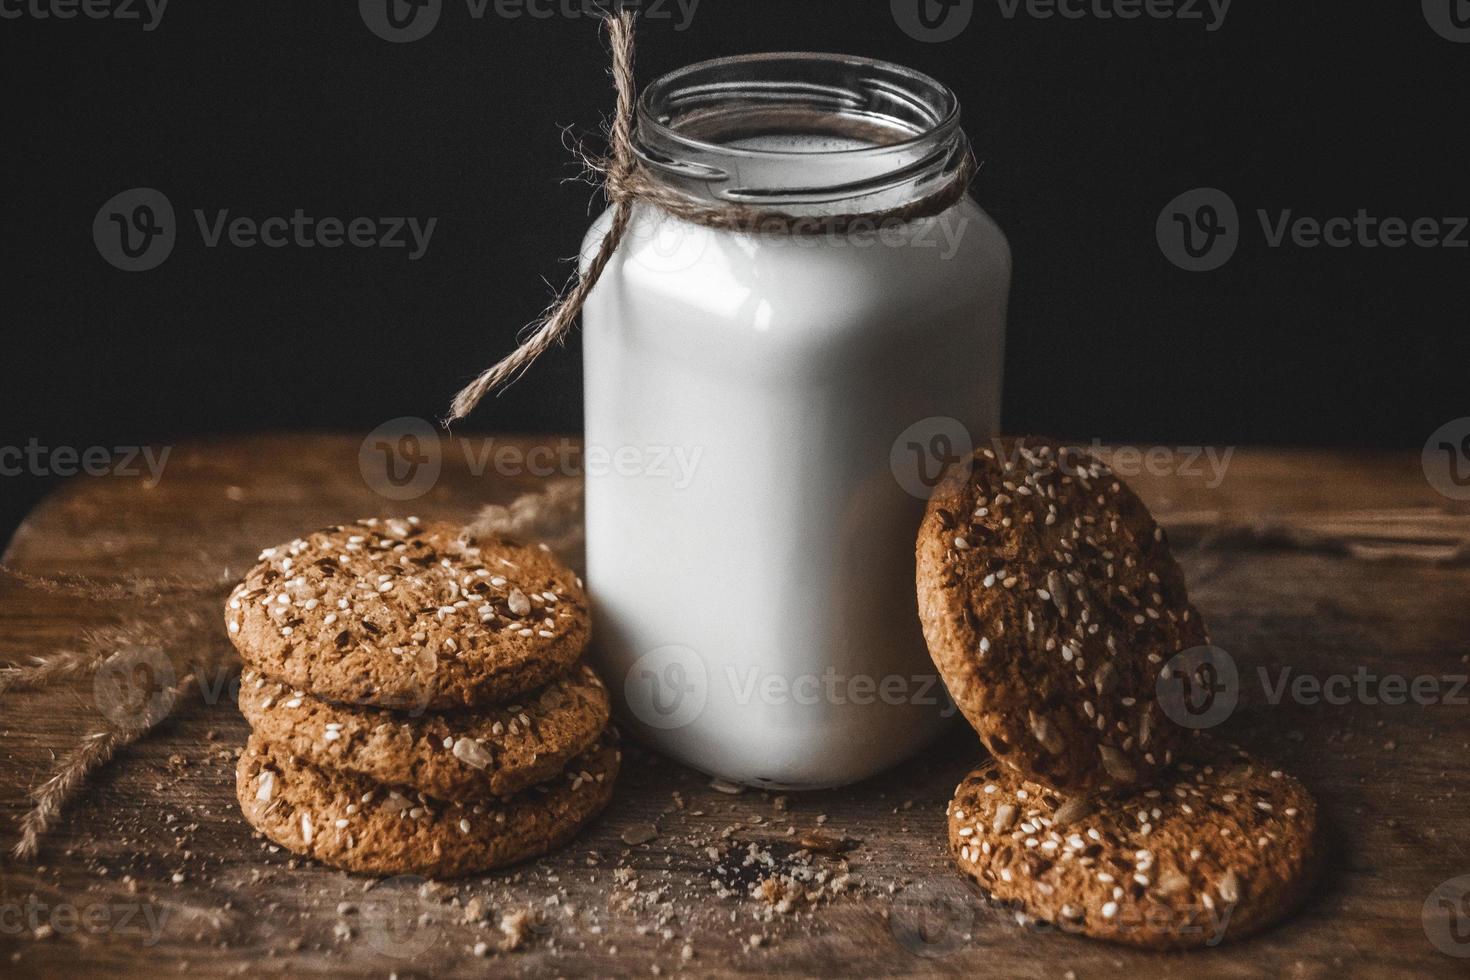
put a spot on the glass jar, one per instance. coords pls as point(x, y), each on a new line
point(765, 413)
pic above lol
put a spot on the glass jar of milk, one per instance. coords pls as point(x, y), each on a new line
point(765, 413)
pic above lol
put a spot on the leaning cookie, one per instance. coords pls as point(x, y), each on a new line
point(459, 755)
point(353, 823)
point(1223, 850)
point(1050, 603)
point(405, 614)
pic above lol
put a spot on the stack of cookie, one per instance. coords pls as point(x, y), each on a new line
point(1054, 610)
point(416, 701)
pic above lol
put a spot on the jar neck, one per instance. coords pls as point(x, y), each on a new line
point(804, 134)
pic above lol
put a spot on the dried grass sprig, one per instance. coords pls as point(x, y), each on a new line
point(85, 587)
point(188, 630)
point(552, 516)
point(96, 646)
point(94, 752)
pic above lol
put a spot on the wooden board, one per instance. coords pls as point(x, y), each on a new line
point(1324, 563)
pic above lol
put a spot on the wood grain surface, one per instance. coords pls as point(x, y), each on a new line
point(1316, 563)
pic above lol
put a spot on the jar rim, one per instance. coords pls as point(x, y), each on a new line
point(666, 84)
point(896, 131)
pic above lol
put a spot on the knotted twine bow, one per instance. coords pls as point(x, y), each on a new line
point(627, 182)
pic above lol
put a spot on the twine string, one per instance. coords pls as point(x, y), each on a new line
point(626, 183)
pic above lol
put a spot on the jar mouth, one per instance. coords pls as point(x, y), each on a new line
point(791, 127)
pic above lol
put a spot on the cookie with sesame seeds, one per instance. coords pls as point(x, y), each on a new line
point(455, 755)
point(407, 614)
point(354, 823)
point(1050, 604)
point(1223, 848)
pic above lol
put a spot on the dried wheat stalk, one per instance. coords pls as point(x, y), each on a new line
point(187, 630)
point(95, 751)
point(85, 587)
point(96, 646)
point(552, 516)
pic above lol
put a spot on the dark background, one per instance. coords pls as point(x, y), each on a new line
point(1087, 129)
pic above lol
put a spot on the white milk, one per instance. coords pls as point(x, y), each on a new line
point(750, 544)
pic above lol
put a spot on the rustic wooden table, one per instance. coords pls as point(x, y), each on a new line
point(1315, 563)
